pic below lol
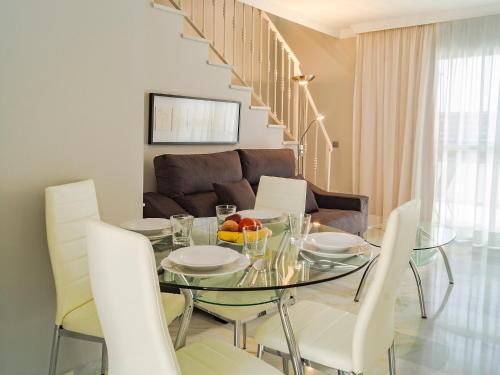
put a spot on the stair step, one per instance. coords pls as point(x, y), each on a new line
point(260, 108)
point(276, 126)
point(195, 39)
point(220, 65)
point(169, 9)
point(242, 88)
point(290, 143)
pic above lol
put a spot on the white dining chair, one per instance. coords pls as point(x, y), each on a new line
point(133, 321)
point(67, 209)
point(281, 194)
point(344, 341)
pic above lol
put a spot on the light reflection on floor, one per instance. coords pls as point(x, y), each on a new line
point(460, 336)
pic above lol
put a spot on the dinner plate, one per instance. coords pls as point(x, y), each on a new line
point(261, 213)
point(351, 252)
point(333, 241)
point(203, 257)
point(147, 226)
point(240, 264)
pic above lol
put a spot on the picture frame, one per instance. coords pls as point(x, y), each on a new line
point(185, 120)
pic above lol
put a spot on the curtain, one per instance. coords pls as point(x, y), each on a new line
point(467, 182)
point(393, 119)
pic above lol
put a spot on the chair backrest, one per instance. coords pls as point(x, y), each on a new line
point(374, 328)
point(67, 208)
point(127, 296)
point(284, 194)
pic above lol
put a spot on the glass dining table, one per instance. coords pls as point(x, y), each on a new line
point(284, 267)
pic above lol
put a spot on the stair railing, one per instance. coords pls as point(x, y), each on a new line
point(245, 38)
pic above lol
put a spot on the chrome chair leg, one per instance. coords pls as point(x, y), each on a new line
point(244, 332)
point(284, 361)
point(237, 333)
point(55, 350)
point(392, 360)
point(104, 359)
point(419, 288)
point(293, 348)
point(364, 277)
point(260, 350)
point(447, 264)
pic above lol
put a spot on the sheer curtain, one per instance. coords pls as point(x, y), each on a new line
point(393, 118)
point(467, 177)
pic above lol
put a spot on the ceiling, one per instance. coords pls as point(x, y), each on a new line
point(345, 18)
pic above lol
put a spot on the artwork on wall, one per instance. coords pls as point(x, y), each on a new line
point(177, 119)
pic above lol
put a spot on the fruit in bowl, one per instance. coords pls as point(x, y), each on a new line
point(232, 230)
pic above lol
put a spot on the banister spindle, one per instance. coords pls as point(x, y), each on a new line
point(213, 22)
point(268, 37)
point(234, 33)
point(251, 42)
point(315, 159)
point(192, 10)
point(243, 41)
point(289, 96)
point(224, 28)
point(260, 54)
point(180, 4)
point(282, 114)
point(203, 18)
point(275, 71)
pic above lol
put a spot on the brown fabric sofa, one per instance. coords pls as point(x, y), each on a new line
point(185, 185)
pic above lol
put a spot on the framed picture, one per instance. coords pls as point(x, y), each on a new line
point(184, 120)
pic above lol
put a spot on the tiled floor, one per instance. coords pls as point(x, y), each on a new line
point(460, 336)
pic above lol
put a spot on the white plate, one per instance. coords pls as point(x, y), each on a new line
point(333, 241)
point(240, 264)
point(203, 258)
point(148, 226)
point(353, 251)
point(261, 213)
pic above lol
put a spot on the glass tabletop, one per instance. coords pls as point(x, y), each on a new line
point(285, 266)
point(429, 236)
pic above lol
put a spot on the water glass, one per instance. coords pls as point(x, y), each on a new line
point(182, 225)
point(300, 225)
point(255, 241)
point(223, 211)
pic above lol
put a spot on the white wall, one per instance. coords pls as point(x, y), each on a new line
point(74, 78)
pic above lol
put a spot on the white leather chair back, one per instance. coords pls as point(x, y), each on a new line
point(375, 324)
point(283, 194)
point(127, 296)
point(67, 208)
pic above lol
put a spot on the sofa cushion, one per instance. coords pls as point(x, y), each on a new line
point(311, 204)
point(239, 193)
point(198, 205)
point(177, 175)
point(266, 162)
point(158, 205)
point(349, 221)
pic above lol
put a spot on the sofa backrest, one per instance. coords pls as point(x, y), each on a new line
point(188, 179)
point(266, 162)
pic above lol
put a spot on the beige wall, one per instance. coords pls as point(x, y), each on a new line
point(332, 61)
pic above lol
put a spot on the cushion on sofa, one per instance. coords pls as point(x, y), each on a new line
point(239, 193)
point(177, 175)
point(266, 162)
point(349, 221)
point(198, 205)
point(311, 204)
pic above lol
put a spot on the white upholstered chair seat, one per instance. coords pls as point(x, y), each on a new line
point(323, 333)
point(212, 357)
point(84, 318)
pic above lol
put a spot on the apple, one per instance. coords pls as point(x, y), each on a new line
point(234, 217)
point(252, 224)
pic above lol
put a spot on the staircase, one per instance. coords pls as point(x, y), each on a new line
point(245, 40)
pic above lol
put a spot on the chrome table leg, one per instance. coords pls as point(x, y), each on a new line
point(55, 350)
point(244, 332)
point(447, 264)
point(364, 277)
point(180, 340)
point(237, 334)
point(293, 348)
point(419, 288)
point(260, 350)
point(392, 360)
point(104, 359)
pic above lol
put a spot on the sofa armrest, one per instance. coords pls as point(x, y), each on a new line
point(340, 201)
point(158, 205)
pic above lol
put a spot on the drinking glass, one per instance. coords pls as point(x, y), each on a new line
point(182, 225)
point(300, 224)
point(255, 241)
point(223, 211)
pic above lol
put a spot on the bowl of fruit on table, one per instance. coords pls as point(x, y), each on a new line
point(231, 229)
